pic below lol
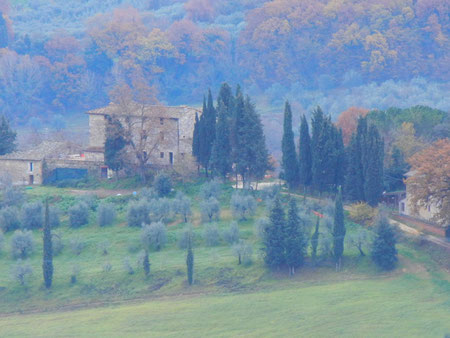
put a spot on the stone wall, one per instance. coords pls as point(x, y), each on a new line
point(97, 131)
point(20, 171)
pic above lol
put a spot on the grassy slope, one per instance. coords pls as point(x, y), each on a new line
point(413, 300)
point(403, 306)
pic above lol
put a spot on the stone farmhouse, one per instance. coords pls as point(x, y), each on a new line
point(170, 134)
point(168, 145)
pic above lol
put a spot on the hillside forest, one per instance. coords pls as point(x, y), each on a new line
point(60, 57)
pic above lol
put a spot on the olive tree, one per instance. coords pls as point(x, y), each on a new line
point(242, 206)
point(210, 209)
point(22, 244)
point(154, 236)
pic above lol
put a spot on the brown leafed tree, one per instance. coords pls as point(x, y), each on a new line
point(131, 109)
point(348, 120)
point(430, 183)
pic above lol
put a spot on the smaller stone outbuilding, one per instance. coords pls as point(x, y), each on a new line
point(34, 166)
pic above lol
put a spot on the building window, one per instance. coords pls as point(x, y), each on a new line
point(161, 121)
point(402, 207)
point(171, 158)
point(145, 154)
point(31, 166)
point(161, 155)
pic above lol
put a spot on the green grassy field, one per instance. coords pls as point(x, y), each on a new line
point(226, 299)
point(406, 306)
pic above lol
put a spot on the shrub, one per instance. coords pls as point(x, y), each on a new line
point(57, 244)
point(32, 216)
point(160, 210)
point(182, 206)
point(211, 235)
point(384, 251)
point(148, 194)
point(104, 246)
point(22, 244)
point(12, 196)
point(154, 235)
point(79, 215)
point(242, 206)
point(211, 189)
point(127, 266)
point(106, 214)
point(138, 213)
point(21, 271)
point(90, 200)
point(163, 184)
point(244, 252)
point(9, 219)
point(76, 245)
point(231, 235)
point(184, 237)
point(210, 210)
point(362, 213)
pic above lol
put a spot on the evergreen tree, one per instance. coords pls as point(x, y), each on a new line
point(338, 230)
point(373, 185)
point(221, 151)
point(354, 181)
point(289, 161)
point(146, 263)
point(315, 241)
point(274, 236)
point(384, 252)
point(305, 157)
point(47, 264)
point(395, 173)
point(190, 262)
point(295, 239)
point(114, 144)
point(206, 132)
point(7, 137)
point(226, 97)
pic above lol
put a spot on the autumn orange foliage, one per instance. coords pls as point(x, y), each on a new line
point(348, 121)
point(430, 183)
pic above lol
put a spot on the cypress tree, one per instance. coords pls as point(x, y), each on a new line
point(7, 137)
point(114, 144)
point(289, 162)
point(274, 237)
point(257, 152)
point(315, 241)
point(295, 239)
point(384, 252)
point(146, 263)
point(221, 151)
point(319, 148)
point(207, 132)
point(338, 230)
point(190, 262)
point(226, 97)
point(305, 157)
point(354, 184)
point(47, 264)
point(373, 185)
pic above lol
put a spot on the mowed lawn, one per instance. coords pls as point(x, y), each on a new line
point(402, 306)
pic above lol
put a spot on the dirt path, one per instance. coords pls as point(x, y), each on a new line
point(102, 193)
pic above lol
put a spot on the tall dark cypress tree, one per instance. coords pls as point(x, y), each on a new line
point(338, 230)
point(305, 156)
point(207, 132)
point(354, 183)
point(289, 162)
point(257, 152)
point(221, 160)
point(227, 98)
point(190, 262)
point(373, 185)
point(146, 263)
point(274, 237)
point(47, 264)
point(295, 239)
point(114, 144)
point(384, 252)
point(319, 149)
